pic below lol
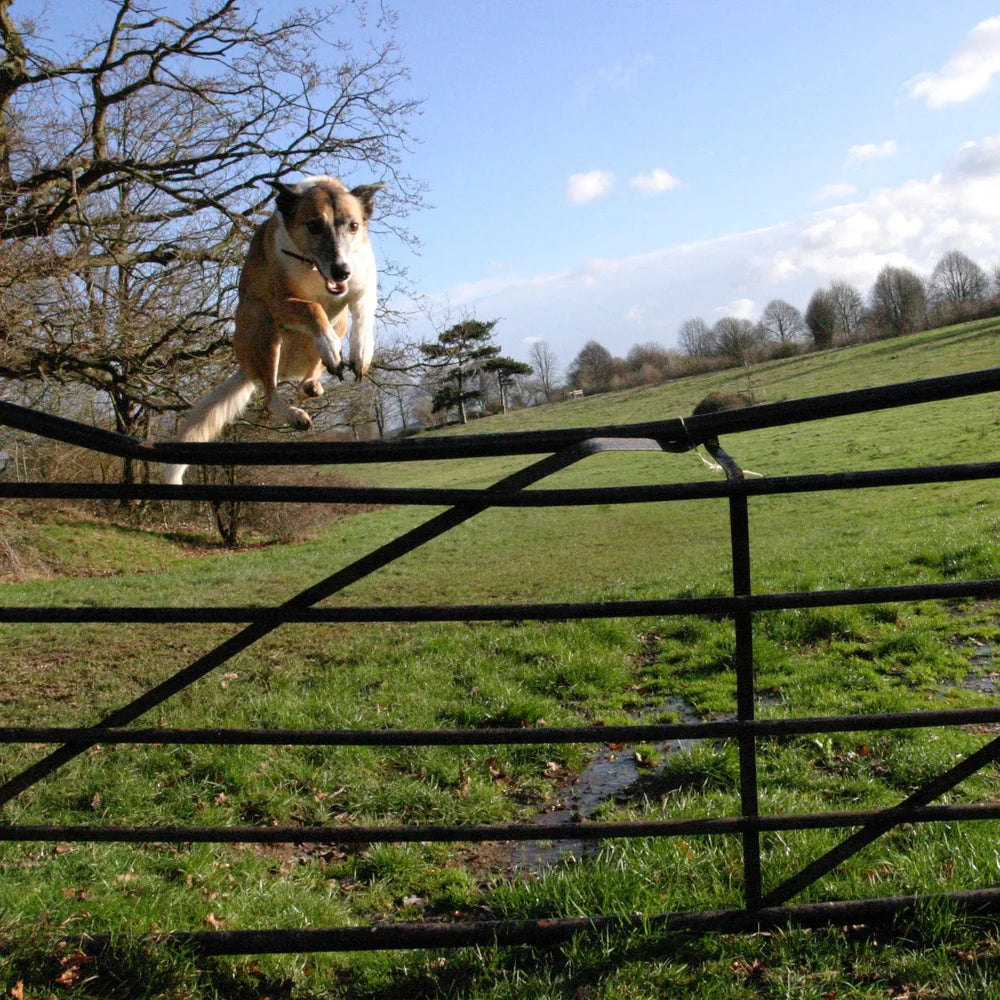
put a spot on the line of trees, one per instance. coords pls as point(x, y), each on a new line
point(900, 301)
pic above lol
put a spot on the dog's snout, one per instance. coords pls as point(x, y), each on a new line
point(340, 272)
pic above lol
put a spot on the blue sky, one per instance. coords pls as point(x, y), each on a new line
point(604, 170)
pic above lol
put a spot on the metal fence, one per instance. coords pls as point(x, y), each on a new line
point(559, 449)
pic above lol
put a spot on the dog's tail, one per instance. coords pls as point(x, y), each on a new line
point(206, 419)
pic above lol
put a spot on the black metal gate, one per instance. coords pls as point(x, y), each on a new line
point(560, 448)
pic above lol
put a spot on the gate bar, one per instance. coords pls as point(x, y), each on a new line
point(410, 935)
point(638, 733)
point(872, 822)
point(653, 607)
point(565, 497)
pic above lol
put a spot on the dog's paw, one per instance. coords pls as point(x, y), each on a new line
point(337, 370)
point(301, 420)
point(311, 388)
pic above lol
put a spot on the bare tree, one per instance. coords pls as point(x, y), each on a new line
point(849, 308)
point(957, 279)
point(593, 369)
point(821, 318)
point(395, 375)
point(782, 323)
point(649, 364)
point(898, 301)
point(546, 368)
point(696, 338)
point(132, 166)
point(738, 340)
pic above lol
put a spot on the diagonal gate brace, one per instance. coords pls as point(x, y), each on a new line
point(334, 583)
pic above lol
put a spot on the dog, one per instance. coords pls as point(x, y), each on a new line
point(716, 402)
point(309, 265)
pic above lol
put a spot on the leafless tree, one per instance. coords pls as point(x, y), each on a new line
point(696, 339)
point(395, 376)
point(737, 340)
point(134, 164)
point(782, 323)
point(593, 369)
point(546, 368)
point(849, 307)
point(649, 364)
point(898, 301)
point(957, 278)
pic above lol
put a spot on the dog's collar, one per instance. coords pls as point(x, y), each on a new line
point(298, 256)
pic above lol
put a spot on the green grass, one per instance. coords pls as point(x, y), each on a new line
point(822, 661)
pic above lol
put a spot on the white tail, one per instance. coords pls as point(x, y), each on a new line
point(206, 419)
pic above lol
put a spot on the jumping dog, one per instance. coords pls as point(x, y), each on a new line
point(309, 265)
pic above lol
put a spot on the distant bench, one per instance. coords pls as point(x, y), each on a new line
point(574, 393)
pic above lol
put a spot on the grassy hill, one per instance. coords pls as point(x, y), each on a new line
point(811, 662)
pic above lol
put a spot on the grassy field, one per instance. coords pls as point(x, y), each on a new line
point(830, 661)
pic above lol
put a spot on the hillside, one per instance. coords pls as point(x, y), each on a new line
point(825, 661)
point(961, 348)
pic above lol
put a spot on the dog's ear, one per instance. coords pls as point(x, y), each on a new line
point(286, 199)
point(366, 195)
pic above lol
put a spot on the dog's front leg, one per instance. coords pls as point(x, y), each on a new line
point(362, 348)
point(273, 402)
point(303, 316)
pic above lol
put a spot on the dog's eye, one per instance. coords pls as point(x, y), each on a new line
point(355, 226)
point(315, 226)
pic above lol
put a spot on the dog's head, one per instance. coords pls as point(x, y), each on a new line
point(328, 223)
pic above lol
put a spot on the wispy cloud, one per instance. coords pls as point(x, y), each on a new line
point(912, 224)
point(622, 76)
point(655, 182)
point(871, 151)
point(581, 188)
point(834, 192)
point(966, 74)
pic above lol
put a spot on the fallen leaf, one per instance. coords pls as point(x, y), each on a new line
point(72, 968)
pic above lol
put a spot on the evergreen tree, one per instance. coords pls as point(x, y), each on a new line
point(460, 353)
point(506, 371)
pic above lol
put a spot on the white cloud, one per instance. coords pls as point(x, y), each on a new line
point(581, 188)
point(978, 159)
point(968, 72)
point(738, 309)
point(655, 182)
point(871, 151)
point(910, 225)
point(834, 192)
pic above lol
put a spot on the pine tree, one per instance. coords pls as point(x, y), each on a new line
point(460, 354)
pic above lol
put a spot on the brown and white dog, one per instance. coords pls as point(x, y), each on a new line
point(309, 265)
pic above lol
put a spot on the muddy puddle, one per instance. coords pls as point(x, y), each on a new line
point(612, 772)
point(984, 673)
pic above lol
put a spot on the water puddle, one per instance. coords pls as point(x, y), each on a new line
point(612, 771)
point(984, 673)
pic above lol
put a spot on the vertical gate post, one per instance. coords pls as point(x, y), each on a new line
point(739, 529)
